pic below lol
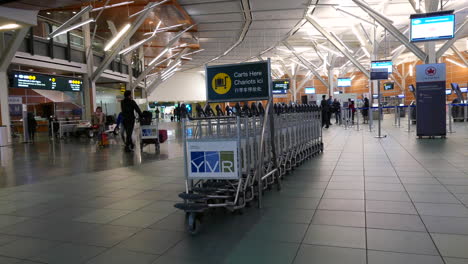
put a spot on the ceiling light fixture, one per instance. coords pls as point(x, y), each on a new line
point(117, 37)
point(193, 52)
point(111, 6)
point(159, 56)
point(456, 63)
point(164, 29)
point(139, 43)
point(9, 26)
point(70, 28)
point(149, 7)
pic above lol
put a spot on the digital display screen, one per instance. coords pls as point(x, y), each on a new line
point(388, 86)
point(464, 90)
point(427, 27)
point(386, 64)
point(401, 96)
point(30, 80)
point(448, 92)
point(309, 90)
point(337, 92)
point(375, 96)
point(280, 86)
point(344, 82)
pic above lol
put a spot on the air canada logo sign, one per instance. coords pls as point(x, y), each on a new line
point(212, 159)
point(431, 71)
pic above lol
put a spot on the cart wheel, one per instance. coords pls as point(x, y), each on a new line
point(193, 224)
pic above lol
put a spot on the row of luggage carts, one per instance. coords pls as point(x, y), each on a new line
point(232, 155)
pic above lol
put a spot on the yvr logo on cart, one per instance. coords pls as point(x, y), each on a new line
point(212, 161)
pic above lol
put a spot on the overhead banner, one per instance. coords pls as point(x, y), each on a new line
point(430, 99)
point(238, 82)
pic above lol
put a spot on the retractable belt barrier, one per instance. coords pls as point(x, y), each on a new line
point(232, 156)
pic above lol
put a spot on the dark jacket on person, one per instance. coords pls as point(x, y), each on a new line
point(325, 105)
point(32, 123)
point(365, 111)
point(336, 107)
point(129, 107)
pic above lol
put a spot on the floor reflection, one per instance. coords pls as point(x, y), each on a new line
point(27, 163)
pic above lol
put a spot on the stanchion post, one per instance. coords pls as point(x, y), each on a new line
point(450, 119)
point(380, 111)
point(357, 120)
point(395, 112)
point(346, 118)
point(465, 113)
point(371, 118)
point(399, 116)
point(409, 118)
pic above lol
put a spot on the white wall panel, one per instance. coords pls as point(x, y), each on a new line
point(183, 86)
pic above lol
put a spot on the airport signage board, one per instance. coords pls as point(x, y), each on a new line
point(216, 159)
point(29, 80)
point(280, 86)
point(238, 82)
point(430, 99)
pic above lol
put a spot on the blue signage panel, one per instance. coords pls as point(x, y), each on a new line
point(430, 100)
point(238, 82)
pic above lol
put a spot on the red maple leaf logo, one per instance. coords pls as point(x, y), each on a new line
point(431, 71)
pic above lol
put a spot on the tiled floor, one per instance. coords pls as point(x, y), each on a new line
point(364, 200)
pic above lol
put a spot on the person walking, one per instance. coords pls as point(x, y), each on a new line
point(365, 110)
point(325, 111)
point(337, 110)
point(32, 125)
point(129, 107)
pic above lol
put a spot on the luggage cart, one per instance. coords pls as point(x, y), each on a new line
point(149, 131)
point(231, 160)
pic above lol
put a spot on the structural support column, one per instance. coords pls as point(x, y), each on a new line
point(331, 80)
point(4, 107)
point(89, 87)
point(7, 54)
point(429, 47)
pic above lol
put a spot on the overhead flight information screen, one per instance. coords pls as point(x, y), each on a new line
point(29, 80)
point(432, 26)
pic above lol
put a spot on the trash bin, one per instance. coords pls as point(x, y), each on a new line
point(3, 136)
